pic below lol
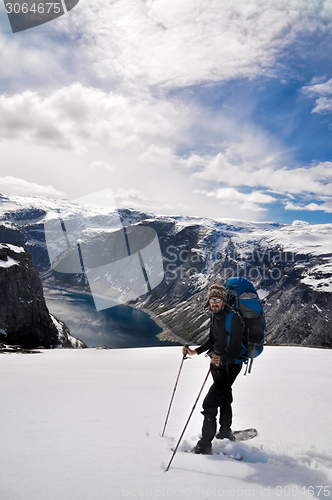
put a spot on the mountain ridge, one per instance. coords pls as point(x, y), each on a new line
point(290, 265)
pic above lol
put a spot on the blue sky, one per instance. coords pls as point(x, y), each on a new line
point(218, 109)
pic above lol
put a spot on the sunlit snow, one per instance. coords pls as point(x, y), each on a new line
point(86, 424)
point(8, 263)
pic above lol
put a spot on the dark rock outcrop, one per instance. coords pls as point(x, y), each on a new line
point(24, 317)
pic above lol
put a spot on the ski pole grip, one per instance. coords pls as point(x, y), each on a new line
point(185, 355)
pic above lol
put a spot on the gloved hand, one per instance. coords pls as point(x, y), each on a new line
point(215, 360)
point(187, 350)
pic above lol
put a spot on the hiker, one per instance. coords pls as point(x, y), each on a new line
point(225, 348)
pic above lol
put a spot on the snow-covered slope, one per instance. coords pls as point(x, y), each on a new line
point(86, 424)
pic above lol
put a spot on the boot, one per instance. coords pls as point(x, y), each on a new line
point(225, 434)
point(225, 421)
point(202, 448)
point(208, 431)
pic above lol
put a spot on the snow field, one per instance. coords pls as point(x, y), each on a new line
point(86, 425)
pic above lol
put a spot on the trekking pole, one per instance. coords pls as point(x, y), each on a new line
point(176, 383)
point(192, 411)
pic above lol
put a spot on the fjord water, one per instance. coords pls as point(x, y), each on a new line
point(117, 327)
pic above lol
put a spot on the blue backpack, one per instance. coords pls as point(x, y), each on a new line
point(243, 298)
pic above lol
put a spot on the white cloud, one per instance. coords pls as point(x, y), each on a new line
point(311, 207)
point(245, 201)
point(34, 59)
point(100, 165)
point(141, 138)
point(75, 116)
point(182, 207)
point(320, 91)
point(14, 185)
point(244, 165)
point(131, 194)
point(132, 198)
point(144, 44)
point(139, 48)
point(139, 44)
point(323, 105)
point(160, 157)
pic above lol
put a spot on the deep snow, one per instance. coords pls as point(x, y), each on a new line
point(86, 424)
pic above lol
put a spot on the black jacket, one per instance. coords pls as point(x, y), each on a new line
point(227, 346)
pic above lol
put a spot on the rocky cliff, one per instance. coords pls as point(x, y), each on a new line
point(24, 317)
point(298, 311)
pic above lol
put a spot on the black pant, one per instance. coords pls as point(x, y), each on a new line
point(219, 396)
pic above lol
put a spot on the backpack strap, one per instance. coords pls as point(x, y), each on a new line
point(228, 325)
point(228, 321)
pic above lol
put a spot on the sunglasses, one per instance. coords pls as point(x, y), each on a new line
point(215, 300)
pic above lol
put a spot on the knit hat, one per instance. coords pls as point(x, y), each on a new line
point(217, 290)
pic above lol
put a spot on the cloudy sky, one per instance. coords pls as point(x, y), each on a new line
point(198, 107)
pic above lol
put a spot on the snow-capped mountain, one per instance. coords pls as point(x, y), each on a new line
point(290, 265)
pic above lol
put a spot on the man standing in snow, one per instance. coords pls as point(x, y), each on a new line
point(225, 348)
